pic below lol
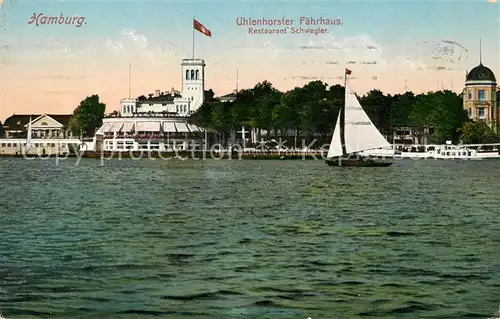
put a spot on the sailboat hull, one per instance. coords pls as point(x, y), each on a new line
point(348, 162)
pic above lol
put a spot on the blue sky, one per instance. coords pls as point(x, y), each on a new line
point(412, 38)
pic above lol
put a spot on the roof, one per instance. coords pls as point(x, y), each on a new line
point(230, 96)
point(481, 73)
point(17, 122)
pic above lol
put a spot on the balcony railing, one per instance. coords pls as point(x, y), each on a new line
point(150, 114)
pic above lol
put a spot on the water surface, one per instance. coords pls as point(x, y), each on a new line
point(249, 239)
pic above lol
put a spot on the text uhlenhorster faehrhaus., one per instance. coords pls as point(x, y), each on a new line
point(302, 25)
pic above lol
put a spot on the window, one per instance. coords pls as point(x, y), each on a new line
point(469, 95)
point(481, 112)
point(481, 95)
point(470, 112)
point(192, 74)
point(187, 74)
point(125, 109)
point(197, 74)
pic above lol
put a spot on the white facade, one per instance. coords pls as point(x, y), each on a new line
point(181, 103)
point(38, 146)
point(49, 135)
point(128, 107)
point(158, 122)
point(152, 133)
point(193, 83)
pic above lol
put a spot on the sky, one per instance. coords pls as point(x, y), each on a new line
point(393, 46)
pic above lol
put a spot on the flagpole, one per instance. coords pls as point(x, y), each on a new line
point(129, 78)
point(345, 79)
point(193, 38)
point(342, 117)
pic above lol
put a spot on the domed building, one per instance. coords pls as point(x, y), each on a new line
point(480, 96)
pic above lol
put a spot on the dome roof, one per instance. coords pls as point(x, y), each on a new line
point(481, 73)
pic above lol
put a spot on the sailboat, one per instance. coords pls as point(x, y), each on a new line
point(354, 132)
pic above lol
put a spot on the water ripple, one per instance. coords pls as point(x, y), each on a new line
point(248, 239)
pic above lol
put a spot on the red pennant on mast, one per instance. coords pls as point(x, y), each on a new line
point(201, 28)
point(348, 72)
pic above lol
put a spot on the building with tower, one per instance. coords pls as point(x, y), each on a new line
point(159, 121)
point(481, 96)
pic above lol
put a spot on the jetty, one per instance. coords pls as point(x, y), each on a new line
point(216, 155)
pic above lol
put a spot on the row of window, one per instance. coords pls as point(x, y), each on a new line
point(192, 74)
point(128, 108)
point(180, 108)
point(481, 112)
point(481, 95)
point(34, 145)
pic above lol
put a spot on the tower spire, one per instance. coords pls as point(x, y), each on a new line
point(480, 53)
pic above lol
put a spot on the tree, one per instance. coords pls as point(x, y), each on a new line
point(209, 95)
point(377, 106)
point(87, 117)
point(421, 115)
point(448, 116)
point(312, 111)
point(477, 133)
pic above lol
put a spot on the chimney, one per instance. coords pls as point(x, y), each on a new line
point(172, 91)
point(157, 93)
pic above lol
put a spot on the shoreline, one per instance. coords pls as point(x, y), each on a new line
point(197, 155)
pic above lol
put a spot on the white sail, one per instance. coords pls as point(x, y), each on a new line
point(360, 132)
point(28, 136)
point(335, 149)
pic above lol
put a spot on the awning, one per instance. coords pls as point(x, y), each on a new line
point(193, 128)
point(116, 127)
point(147, 127)
point(169, 127)
point(182, 128)
point(104, 128)
point(127, 127)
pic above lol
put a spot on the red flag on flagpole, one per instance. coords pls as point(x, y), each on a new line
point(347, 71)
point(201, 28)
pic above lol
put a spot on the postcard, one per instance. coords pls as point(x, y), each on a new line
point(153, 159)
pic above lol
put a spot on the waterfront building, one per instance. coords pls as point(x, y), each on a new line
point(481, 98)
point(161, 121)
point(231, 97)
point(50, 134)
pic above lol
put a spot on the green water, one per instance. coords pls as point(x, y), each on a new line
point(249, 239)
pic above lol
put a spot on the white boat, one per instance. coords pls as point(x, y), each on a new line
point(437, 151)
point(383, 152)
point(354, 133)
point(447, 151)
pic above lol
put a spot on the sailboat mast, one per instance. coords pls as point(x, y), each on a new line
point(342, 116)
